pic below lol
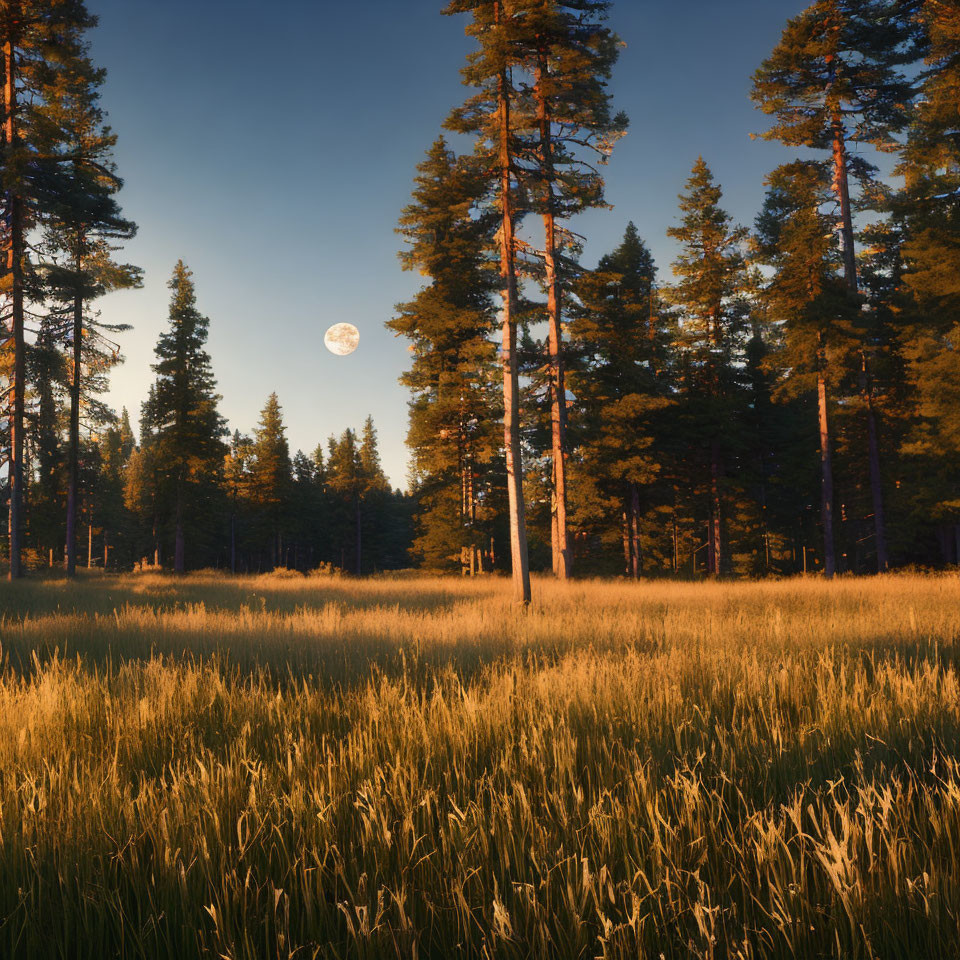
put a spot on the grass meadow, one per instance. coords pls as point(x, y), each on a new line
point(302, 767)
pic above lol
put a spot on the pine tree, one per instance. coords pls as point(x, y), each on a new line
point(571, 55)
point(619, 343)
point(456, 405)
point(489, 116)
point(810, 303)
point(271, 477)
point(115, 449)
point(709, 297)
point(47, 374)
point(928, 216)
point(42, 44)
point(345, 481)
point(836, 78)
point(82, 224)
point(185, 428)
point(376, 499)
point(237, 479)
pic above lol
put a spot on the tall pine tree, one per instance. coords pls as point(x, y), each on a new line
point(489, 116)
point(456, 405)
point(834, 79)
point(571, 54)
point(183, 428)
point(709, 297)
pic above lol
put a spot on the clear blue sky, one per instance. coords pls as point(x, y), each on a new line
point(272, 147)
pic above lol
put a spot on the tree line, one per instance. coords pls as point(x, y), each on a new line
point(783, 403)
point(73, 477)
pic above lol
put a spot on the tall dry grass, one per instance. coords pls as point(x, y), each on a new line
point(408, 768)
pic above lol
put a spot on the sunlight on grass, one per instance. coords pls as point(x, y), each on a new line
point(293, 767)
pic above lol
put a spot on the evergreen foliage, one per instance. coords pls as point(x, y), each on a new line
point(181, 425)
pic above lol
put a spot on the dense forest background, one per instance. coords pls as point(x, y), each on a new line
point(780, 399)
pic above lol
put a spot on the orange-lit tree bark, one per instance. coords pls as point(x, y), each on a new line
point(488, 114)
point(572, 54)
point(511, 385)
point(13, 280)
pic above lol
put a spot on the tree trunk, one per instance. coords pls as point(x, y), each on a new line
point(511, 377)
point(14, 266)
point(562, 560)
point(90, 544)
point(73, 446)
point(826, 475)
point(627, 553)
point(635, 558)
point(841, 186)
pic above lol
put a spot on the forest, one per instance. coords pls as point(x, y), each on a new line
point(780, 399)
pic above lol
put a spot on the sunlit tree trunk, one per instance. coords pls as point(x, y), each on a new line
point(73, 446)
point(511, 378)
point(14, 265)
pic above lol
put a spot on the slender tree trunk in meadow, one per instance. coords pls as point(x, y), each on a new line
point(73, 444)
point(14, 265)
point(511, 377)
point(562, 560)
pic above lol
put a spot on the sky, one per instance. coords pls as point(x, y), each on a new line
point(272, 146)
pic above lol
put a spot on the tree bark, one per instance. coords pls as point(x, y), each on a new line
point(636, 561)
point(826, 474)
point(627, 552)
point(14, 266)
point(73, 447)
point(511, 377)
point(562, 560)
point(841, 186)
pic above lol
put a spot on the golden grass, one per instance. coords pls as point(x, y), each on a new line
point(291, 767)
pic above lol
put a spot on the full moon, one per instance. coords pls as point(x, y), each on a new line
point(342, 339)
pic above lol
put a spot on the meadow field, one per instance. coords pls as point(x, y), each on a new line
point(290, 767)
